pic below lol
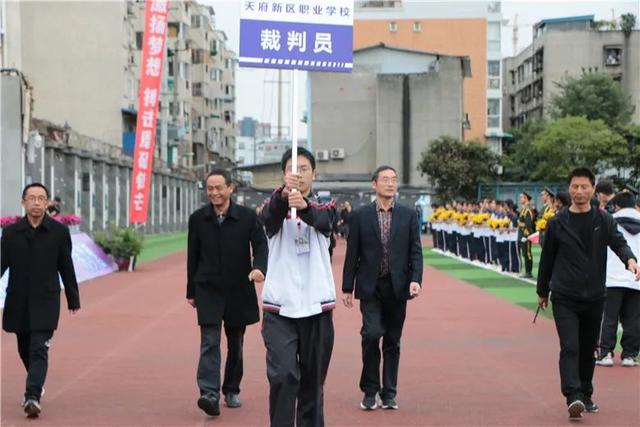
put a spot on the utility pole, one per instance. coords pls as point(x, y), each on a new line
point(279, 105)
point(280, 83)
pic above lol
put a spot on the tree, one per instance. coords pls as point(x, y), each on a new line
point(595, 96)
point(455, 168)
point(627, 162)
point(521, 158)
point(570, 142)
point(627, 23)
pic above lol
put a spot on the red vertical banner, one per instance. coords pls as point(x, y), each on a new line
point(151, 71)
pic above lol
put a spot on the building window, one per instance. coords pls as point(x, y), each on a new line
point(417, 27)
point(494, 107)
point(184, 31)
point(493, 36)
point(493, 113)
point(195, 21)
point(174, 29)
point(494, 74)
point(494, 68)
point(612, 56)
point(513, 77)
point(393, 27)
point(184, 71)
point(197, 56)
point(196, 89)
point(139, 40)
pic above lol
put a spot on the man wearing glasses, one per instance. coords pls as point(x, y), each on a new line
point(384, 265)
point(35, 249)
point(298, 296)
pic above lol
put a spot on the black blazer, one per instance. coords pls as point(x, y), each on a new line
point(219, 260)
point(34, 259)
point(364, 252)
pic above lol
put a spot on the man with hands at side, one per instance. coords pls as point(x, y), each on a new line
point(384, 264)
point(227, 252)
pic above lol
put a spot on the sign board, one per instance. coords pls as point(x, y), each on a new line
point(155, 34)
point(313, 35)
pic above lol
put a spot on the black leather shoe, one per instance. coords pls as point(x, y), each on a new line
point(232, 400)
point(209, 405)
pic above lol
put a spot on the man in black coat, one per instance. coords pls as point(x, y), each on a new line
point(35, 249)
point(220, 269)
point(384, 264)
point(573, 268)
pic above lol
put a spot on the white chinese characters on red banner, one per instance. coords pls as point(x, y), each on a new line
point(155, 31)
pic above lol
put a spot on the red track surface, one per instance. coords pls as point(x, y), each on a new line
point(129, 359)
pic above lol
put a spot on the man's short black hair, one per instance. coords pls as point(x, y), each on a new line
point(624, 199)
point(301, 152)
point(583, 173)
point(220, 172)
point(605, 187)
point(32, 185)
point(383, 168)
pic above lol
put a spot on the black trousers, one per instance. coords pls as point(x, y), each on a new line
point(208, 376)
point(514, 261)
point(298, 356)
point(503, 255)
point(526, 255)
point(382, 318)
point(33, 348)
point(623, 304)
point(494, 250)
point(486, 243)
point(578, 326)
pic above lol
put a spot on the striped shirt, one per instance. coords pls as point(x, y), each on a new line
point(384, 221)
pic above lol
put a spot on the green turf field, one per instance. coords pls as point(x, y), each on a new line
point(509, 288)
point(157, 246)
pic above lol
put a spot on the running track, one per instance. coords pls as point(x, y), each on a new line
point(128, 358)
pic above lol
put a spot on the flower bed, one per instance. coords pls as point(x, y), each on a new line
point(68, 220)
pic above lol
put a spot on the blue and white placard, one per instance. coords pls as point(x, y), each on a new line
point(314, 35)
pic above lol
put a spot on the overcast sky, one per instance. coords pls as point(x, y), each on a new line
point(256, 95)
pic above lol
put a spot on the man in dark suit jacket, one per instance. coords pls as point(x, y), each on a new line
point(384, 264)
point(220, 269)
point(35, 249)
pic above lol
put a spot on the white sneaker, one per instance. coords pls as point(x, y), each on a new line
point(24, 399)
point(606, 360)
point(629, 362)
point(32, 409)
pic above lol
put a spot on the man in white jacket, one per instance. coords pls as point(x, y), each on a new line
point(623, 291)
point(298, 297)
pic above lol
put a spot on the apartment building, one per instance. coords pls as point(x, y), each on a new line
point(563, 47)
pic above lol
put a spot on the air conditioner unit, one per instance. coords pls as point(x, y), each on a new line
point(337, 153)
point(322, 155)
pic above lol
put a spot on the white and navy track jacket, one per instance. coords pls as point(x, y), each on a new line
point(299, 280)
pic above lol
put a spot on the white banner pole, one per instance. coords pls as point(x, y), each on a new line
point(294, 128)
